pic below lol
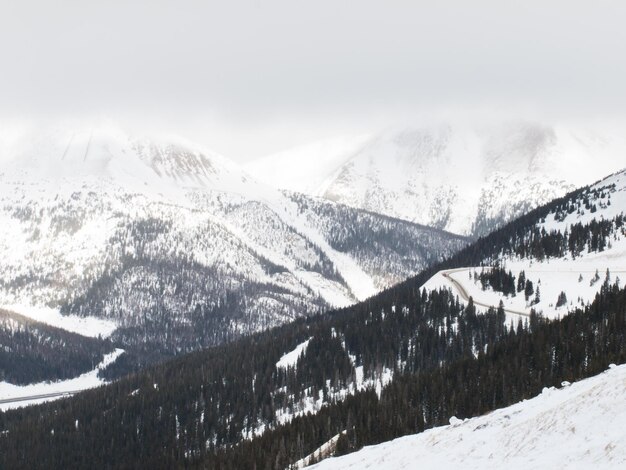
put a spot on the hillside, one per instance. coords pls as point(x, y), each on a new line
point(37, 352)
point(402, 362)
point(572, 250)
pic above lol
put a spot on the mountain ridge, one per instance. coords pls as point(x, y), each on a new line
point(468, 179)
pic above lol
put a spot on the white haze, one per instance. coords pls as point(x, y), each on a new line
point(250, 78)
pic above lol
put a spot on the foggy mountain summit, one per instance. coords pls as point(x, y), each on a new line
point(467, 179)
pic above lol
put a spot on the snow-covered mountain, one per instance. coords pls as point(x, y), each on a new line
point(306, 168)
point(464, 179)
point(570, 249)
point(578, 426)
point(178, 245)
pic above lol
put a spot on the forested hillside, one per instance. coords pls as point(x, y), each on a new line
point(35, 352)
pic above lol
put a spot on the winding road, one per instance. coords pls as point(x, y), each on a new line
point(463, 292)
point(465, 296)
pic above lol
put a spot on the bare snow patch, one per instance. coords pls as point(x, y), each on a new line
point(321, 452)
point(85, 326)
point(291, 358)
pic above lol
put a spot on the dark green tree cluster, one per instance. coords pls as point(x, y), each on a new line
point(498, 279)
point(529, 289)
point(594, 236)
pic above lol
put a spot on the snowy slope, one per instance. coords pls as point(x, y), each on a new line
point(578, 426)
point(465, 179)
point(305, 168)
point(86, 326)
point(106, 154)
point(579, 277)
point(146, 231)
point(290, 359)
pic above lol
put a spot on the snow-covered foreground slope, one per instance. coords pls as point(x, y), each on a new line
point(15, 396)
point(163, 235)
point(578, 426)
point(465, 179)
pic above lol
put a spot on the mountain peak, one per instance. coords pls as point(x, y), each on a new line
point(109, 155)
point(464, 178)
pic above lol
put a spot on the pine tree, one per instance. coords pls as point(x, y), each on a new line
point(528, 289)
point(537, 296)
point(521, 281)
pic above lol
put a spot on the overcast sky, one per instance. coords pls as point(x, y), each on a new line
point(252, 77)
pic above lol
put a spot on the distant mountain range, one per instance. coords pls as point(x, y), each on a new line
point(466, 179)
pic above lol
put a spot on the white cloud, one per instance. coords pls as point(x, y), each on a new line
point(258, 75)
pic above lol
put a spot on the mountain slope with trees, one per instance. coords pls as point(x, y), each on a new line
point(34, 352)
point(400, 362)
point(179, 247)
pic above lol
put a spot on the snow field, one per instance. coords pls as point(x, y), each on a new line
point(579, 426)
point(85, 326)
point(291, 358)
